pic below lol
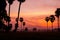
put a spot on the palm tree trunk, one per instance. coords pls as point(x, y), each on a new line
point(9, 10)
point(52, 26)
point(21, 26)
point(47, 26)
point(58, 23)
point(9, 13)
point(19, 11)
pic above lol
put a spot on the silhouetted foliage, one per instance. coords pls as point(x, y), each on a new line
point(8, 28)
point(24, 23)
point(20, 1)
point(10, 3)
point(47, 19)
point(34, 29)
point(8, 17)
point(21, 19)
point(52, 19)
point(16, 26)
point(57, 14)
point(3, 13)
point(26, 29)
point(2, 5)
point(16, 19)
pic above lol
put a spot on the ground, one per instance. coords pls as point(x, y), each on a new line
point(26, 35)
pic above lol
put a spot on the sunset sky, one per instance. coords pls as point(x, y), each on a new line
point(34, 12)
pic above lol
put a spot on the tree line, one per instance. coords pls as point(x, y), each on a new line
point(52, 18)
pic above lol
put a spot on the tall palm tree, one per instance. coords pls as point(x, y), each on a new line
point(47, 19)
point(21, 20)
point(57, 14)
point(20, 2)
point(26, 29)
point(23, 24)
point(52, 18)
point(10, 3)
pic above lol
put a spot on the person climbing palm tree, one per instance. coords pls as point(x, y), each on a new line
point(47, 19)
point(20, 2)
point(57, 14)
point(52, 19)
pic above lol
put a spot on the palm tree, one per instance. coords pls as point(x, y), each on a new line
point(52, 18)
point(34, 29)
point(10, 3)
point(57, 14)
point(23, 24)
point(20, 2)
point(16, 25)
point(47, 19)
point(21, 20)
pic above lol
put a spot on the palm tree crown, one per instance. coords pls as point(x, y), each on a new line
point(21, 0)
point(10, 1)
point(47, 19)
point(52, 18)
point(21, 19)
point(57, 12)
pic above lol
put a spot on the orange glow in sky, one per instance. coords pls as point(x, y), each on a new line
point(35, 11)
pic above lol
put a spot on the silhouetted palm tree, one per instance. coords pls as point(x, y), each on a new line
point(10, 3)
point(3, 13)
point(26, 29)
point(34, 29)
point(23, 24)
point(21, 20)
point(57, 14)
point(47, 19)
point(52, 19)
point(20, 2)
point(16, 25)
point(7, 29)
